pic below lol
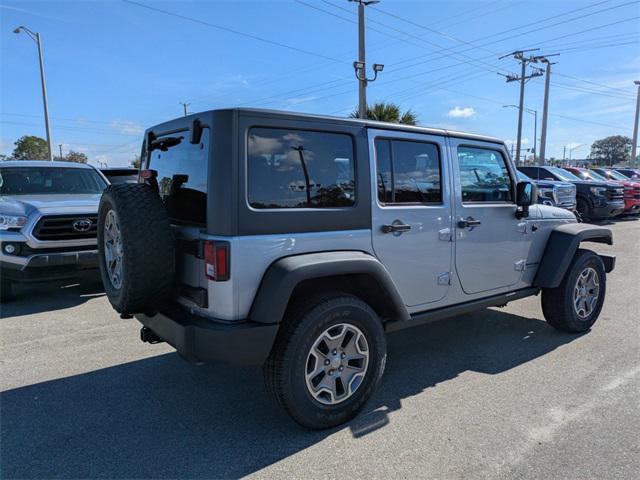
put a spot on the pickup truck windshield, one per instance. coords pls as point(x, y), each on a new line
point(562, 174)
point(49, 181)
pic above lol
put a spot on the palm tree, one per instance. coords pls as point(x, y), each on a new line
point(388, 112)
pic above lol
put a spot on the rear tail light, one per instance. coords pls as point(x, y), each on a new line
point(216, 260)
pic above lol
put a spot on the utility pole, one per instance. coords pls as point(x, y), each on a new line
point(185, 105)
point(519, 55)
point(60, 151)
point(360, 66)
point(545, 110)
point(564, 153)
point(634, 142)
point(36, 38)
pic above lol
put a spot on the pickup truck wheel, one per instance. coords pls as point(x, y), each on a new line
point(583, 210)
point(575, 304)
point(135, 248)
point(327, 360)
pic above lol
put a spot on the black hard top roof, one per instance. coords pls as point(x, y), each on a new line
point(172, 124)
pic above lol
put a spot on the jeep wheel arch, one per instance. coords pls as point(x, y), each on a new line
point(562, 245)
point(283, 277)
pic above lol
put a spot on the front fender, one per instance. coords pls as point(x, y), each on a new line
point(562, 246)
point(282, 277)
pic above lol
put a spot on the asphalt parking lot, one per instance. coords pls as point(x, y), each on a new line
point(496, 394)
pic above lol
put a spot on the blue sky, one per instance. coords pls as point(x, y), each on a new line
point(115, 67)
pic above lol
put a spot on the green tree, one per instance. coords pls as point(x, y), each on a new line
point(135, 163)
point(76, 157)
point(30, 147)
point(388, 112)
point(611, 150)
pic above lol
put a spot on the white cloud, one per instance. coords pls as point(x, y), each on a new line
point(127, 127)
point(461, 112)
point(525, 141)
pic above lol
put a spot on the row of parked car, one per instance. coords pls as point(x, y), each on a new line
point(593, 194)
point(48, 210)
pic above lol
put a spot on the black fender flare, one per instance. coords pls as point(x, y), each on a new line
point(282, 277)
point(562, 246)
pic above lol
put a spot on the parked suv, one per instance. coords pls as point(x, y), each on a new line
point(595, 200)
point(631, 188)
point(553, 193)
point(631, 205)
point(48, 220)
point(297, 241)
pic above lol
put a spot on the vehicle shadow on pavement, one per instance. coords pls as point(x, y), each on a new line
point(164, 418)
point(51, 296)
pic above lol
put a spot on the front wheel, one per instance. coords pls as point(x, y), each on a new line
point(327, 360)
point(575, 304)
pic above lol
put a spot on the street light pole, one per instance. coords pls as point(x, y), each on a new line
point(36, 38)
point(360, 65)
point(634, 143)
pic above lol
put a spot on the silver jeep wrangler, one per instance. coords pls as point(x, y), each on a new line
point(297, 241)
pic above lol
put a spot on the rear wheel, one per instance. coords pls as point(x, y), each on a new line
point(575, 304)
point(327, 360)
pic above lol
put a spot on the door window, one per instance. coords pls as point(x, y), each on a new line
point(408, 172)
point(484, 176)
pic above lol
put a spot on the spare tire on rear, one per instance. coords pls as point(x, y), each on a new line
point(136, 248)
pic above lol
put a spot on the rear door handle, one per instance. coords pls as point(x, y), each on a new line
point(396, 228)
point(469, 222)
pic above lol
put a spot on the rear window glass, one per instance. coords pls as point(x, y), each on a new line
point(49, 181)
point(300, 169)
point(182, 176)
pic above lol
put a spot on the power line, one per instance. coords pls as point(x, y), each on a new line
point(235, 32)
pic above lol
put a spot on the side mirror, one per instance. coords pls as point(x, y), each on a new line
point(526, 193)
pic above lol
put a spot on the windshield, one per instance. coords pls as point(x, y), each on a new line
point(593, 176)
point(562, 174)
point(523, 178)
point(49, 181)
point(617, 176)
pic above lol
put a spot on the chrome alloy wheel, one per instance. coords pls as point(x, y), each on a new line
point(586, 292)
point(337, 364)
point(113, 252)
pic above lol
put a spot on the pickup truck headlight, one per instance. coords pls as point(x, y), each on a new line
point(12, 221)
point(598, 190)
point(546, 193)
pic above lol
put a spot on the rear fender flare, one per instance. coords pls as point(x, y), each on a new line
point(282, 277)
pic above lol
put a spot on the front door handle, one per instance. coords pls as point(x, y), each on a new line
point(396, 228)
point(470, 222)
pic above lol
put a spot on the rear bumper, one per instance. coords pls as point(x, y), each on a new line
point(47, 266)
point(201, 340)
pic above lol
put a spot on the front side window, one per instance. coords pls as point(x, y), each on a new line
point(408, 172)
point(289, 168)
point(49, 181)
point(182, 175)
point(484, 176)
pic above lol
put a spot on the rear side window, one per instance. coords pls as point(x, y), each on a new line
point(484, 176)
point(182, 176)
point(300, 169)
point(408, 172)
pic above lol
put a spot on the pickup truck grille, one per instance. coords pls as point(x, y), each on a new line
point(615, 193)
point(66, 227)
point(566, 196)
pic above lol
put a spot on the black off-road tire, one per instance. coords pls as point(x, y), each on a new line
point(284, 370)
point(583, 210)
point(558, 303)
point(148, 264)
